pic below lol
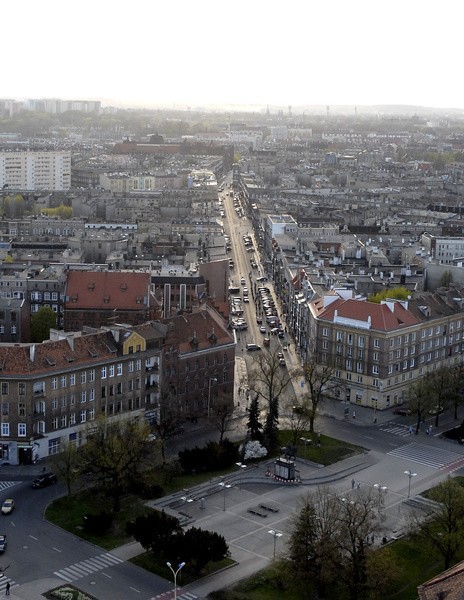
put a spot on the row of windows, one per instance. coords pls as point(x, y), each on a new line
point(196, 366)
point(400, 340)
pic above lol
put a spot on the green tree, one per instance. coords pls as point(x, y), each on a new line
point(198, 547)
point(331, 534)
point(446, 279)
point(114, 456)
point(156, 531)
point(443, 526)
point(254, 426)
point(41, 323)
point(397, 293)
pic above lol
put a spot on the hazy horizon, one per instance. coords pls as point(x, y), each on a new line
point(252, 54)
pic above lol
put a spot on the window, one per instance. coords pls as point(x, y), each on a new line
point(63, 421)
point(5, 429)
point(325, 331)
point(92, 394)
point(54, 383)
point(5, 408)
point(91, 414)
point(83, 376)
point(375, 370)
point(54, 404)
point(72, 419)
point(83, 416)
point(63, 381)
point(138, 365)
point(21, 429)
point(83, 396)
point(376, 356)
point(325, 345)
point(119, 369)
point(111, 371)
point(131, 366)
point(103, 372)
point(5, 388)
point(361, 341)
point(375, 382)
point(92, 375)
point(63, 401)
point(72, 379)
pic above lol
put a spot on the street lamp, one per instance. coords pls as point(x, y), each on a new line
point(174, 573)
point(225, 486)
point(210, 382)
point(410, 474)
point(381, 489)
point(240, 466)
point(275, 534)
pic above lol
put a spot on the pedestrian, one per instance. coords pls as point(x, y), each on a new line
point(358, 485)
point(353, 483)
point(7, 589)
point(430, 430)
point(354, 414)
point(410, 429)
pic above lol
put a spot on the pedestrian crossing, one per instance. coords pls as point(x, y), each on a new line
point(396, 429)
point(4, 485)
point(86, 567)
point(4, 580)
point(429, 456)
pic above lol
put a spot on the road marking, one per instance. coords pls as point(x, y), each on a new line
point(56, 549)
point(134, 589)
point(34, 538)
point(106, 575)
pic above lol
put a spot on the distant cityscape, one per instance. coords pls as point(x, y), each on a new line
point(118, 226)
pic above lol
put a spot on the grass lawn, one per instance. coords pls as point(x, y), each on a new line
point(329, 452)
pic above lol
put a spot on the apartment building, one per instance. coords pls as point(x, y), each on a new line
point(51, 393)
point(379, 350)
point(35, 170)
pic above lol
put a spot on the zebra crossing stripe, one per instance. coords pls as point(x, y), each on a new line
point(88, 566)
point(4, 485)
point(429, 456)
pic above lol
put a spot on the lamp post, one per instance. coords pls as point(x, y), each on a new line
point(305, 441)
point(410, 474)
point(240, 466)
point(381, 489)
point(210, 382)
point(225, 486)
point(174, 573)
point(275, 534)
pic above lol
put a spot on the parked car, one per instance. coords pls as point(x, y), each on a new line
point(404, 412)
point(44, 480)
point(436, 410)
point(3, 543)
point(8, 506)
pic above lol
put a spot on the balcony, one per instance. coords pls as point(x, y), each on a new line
point(38, 393)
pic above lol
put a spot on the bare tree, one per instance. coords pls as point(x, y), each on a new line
point(223, 418)
point(443, 525)
point(321, 381)
point(420, 400)
point(67, 463)
point(167, 418)
point(268, 380)
point(332, 534)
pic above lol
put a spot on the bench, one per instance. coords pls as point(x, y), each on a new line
point(269, 508)
point(258, 513)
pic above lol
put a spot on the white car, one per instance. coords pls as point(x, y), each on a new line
point(8, 506)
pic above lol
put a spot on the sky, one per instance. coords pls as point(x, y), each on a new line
point(179, 53)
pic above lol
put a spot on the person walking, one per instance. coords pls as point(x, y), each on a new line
point(7, 589)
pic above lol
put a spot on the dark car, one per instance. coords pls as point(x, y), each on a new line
point(44, 480)
point(404, 412)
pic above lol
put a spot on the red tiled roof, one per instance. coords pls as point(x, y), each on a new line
point(106, 290)
point(197, 331)
point(55, 355)
point(381, 317)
